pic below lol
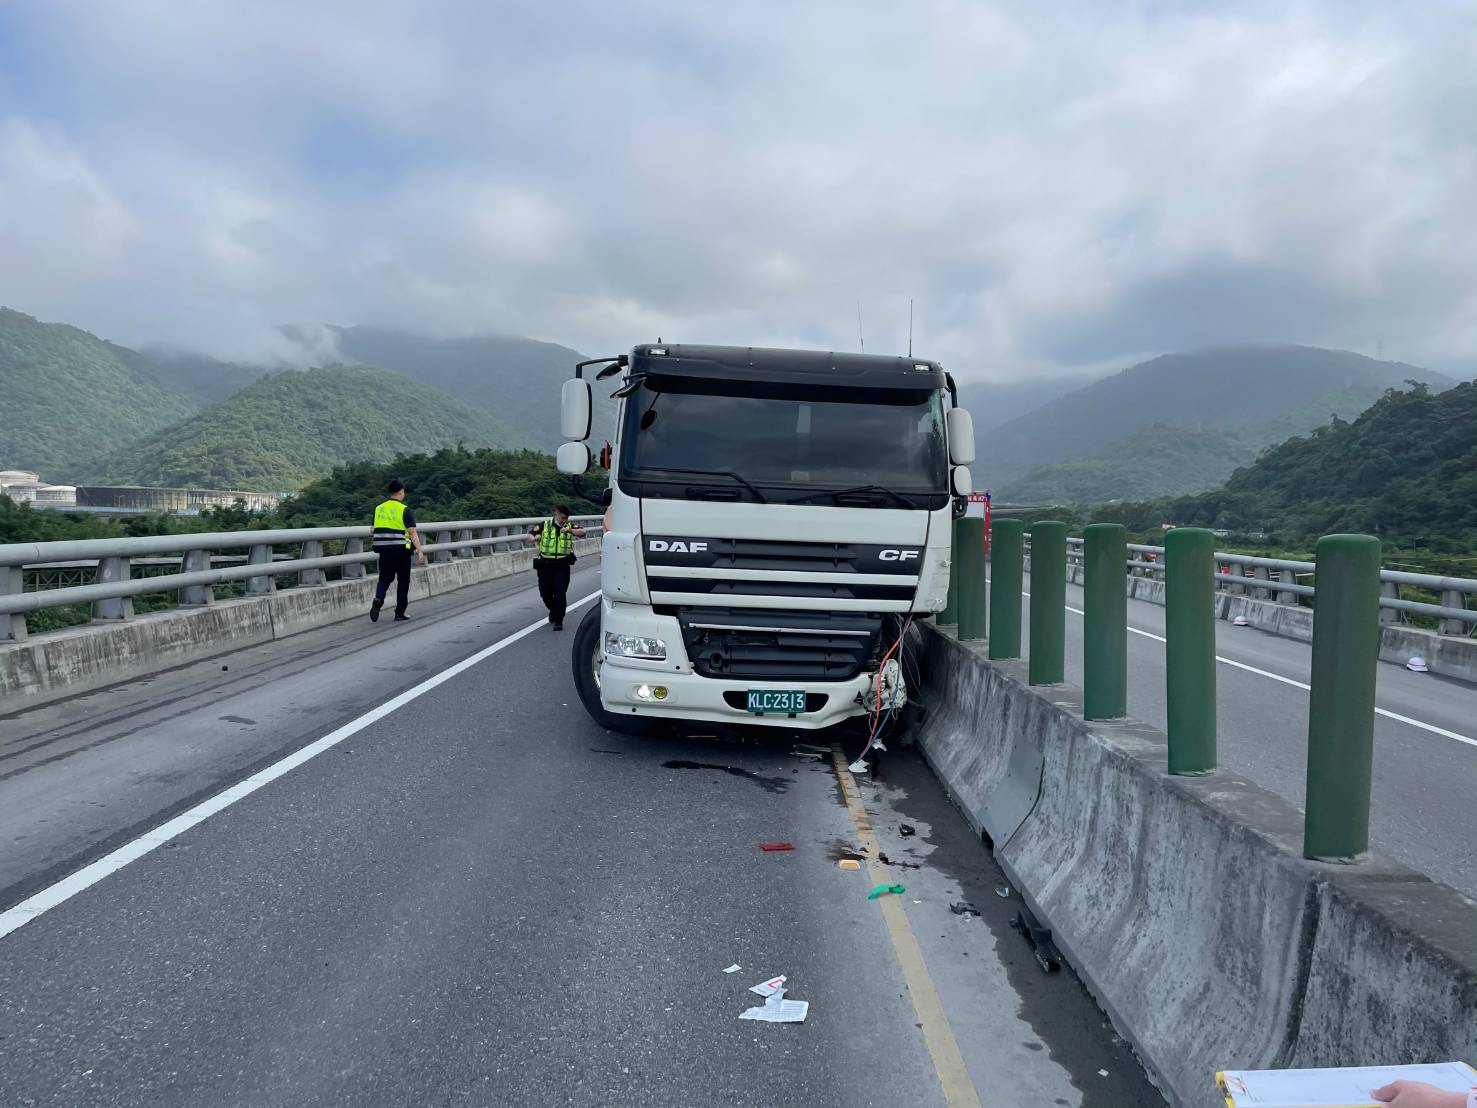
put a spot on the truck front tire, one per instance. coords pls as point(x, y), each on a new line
point(585, 662)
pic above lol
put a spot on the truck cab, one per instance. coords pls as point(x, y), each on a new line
point(777, 519)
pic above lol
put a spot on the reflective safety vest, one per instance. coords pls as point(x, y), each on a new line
point(553, 543)
point(389, 525)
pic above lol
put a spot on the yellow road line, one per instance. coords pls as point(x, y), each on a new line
point(943, 1048)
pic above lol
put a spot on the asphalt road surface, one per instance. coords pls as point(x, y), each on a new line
point(391, 865)
point(1425, 741)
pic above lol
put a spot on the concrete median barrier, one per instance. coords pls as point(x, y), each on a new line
point(59, 664)
point(1184, 903)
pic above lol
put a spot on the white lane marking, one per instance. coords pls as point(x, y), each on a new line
point(89, 875)
point(1396, 716)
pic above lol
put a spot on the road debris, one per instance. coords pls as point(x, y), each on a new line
point(963, 908)
point(848, 863)
point(776, 1009)
point(733, 968)
point(775, 848)
point(860, 766)
point(770, 987)
point(906, 829)
point(1039, 940)
point(881, 890)
point(1002, 891)
point(886, 861)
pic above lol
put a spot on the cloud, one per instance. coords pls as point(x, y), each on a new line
point(1056, 186)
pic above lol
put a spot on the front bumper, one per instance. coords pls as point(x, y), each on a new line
point(690, 696)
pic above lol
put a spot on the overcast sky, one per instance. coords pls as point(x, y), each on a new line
point(1060, 187)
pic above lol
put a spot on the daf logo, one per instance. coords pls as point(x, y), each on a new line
point(676, 546)
point(898, 555)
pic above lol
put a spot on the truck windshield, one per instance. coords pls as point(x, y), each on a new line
point(880, 448)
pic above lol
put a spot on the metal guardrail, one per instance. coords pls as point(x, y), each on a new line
point(114, 584)
point(1276, 579)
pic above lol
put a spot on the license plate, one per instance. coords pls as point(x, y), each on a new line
point(786, 701)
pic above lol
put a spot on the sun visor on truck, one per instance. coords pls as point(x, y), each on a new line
point(786, 367)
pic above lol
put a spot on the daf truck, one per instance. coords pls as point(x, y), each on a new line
point(776, 520)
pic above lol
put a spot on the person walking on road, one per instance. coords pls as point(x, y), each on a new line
point(555, 538)
point(394, 535)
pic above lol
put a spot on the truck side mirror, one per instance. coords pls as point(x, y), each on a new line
point(960, 480)
point(960, 426)
point(574, 411)
point(605, 498)
point(573, 458)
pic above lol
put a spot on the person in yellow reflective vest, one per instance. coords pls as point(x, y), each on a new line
point(394, 535)
point(555, 538)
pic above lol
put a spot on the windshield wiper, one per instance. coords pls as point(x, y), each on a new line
point(759, 496)
point(859, 490)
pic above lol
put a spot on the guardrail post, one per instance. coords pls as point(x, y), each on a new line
point(465, 551)
point(487, 547)
point(1047, 658)
point(352, 571)
point(1390, 589)
point(115, 608)
point(1287, 577)
point(1260, 573)
point(1346, 645)
point(266, 584)
point(1105, 621)
point(441, 555)
point(1452, 598)
point(950, 614)
point(195, 596)
point(972, 603)
point(309, 577)
point(12, 624)
point(1007, 537)
point(1189, 648)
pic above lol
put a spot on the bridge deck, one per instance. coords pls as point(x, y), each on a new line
point(483, 898)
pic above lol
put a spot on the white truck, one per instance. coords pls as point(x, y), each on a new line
point(777, 518)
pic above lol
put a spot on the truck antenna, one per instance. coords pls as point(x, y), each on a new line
point(910, 326)
point(859, 337)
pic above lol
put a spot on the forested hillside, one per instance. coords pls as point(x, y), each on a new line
point(1261, 395)
point(295, 426)
point(68, 396)
point(1405, 470)
point(518, 379)
point(1157, 461)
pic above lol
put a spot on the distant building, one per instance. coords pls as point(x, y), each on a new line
point(25, 487)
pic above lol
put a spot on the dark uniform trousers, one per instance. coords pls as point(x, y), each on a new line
point(394, 566)
point(553, 584)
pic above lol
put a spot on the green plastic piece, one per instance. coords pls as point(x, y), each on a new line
point(881, 889)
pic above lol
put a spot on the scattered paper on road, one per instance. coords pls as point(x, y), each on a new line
point(733, 968)
point(778, 1010)
point(770, 987)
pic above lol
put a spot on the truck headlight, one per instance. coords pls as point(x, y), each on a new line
point(634, 646)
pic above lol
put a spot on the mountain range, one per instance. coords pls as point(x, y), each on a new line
point(1179, 423)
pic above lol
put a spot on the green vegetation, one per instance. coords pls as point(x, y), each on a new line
point(291, 428)
point(69, 396)
point(519, 379)
point(1157, 461)
point(1251, 396)
point(1405, 470)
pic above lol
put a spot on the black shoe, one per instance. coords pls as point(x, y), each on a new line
point(402, 619)
point(374, 613)
point(559, 626)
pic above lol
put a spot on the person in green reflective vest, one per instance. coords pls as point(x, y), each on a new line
point(555, 538)
point(394, 535)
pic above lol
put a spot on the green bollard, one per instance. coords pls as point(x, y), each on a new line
point(950, 614)
point(1346, 650)
point(972, 625)
point(1105, 621)
point(1006, 537)
point(1189, 648)
point(1048, 603)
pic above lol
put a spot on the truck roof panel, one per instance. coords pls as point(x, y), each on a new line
point(758, 363)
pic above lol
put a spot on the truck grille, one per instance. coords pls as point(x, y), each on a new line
point(770, 644)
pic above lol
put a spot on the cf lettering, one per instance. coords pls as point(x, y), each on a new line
point(898, 555)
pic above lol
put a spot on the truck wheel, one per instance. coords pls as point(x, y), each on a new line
point(585, 661)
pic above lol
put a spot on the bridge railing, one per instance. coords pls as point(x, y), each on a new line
point(1285, 581)
point(1352, 594)
point(200, 568)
